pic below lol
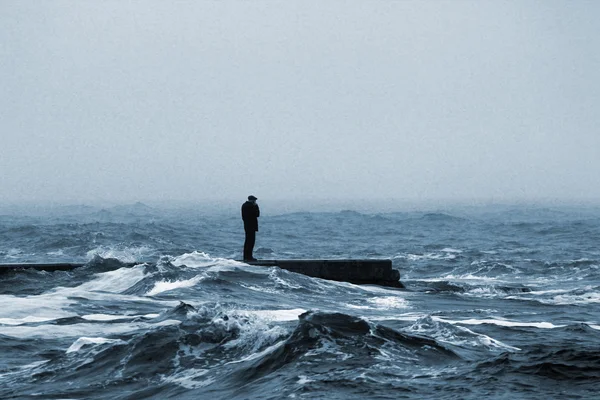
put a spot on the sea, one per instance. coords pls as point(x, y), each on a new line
point(499, 302)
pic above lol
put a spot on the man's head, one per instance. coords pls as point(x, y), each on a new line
point(252, 198)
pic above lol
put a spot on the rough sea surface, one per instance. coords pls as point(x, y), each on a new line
point(500, 303)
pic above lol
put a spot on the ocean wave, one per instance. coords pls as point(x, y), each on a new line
point(468, 286)
point(70, 330)
point(113, 317)
point(505, 323)
point(122, 253)
point(566, 364)
point(500, 291)
point(163, 310)
point(198, 259)
point(462, 338)
point(13, 253)
point(164, 286)
point(88, 341)
point(428, 256)
point(441, 217)
point(564, 297)
point(327, 339)
point(239, 346)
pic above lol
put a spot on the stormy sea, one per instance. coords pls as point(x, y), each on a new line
point(500, 302)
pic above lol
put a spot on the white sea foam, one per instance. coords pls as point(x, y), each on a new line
point(14, 253)
point(107, 317)
point(584, 298)
point(472, 321)
point(126, 254)
point(381, 303)
point(586, 295)
point(279, 315)
point(445, 331)
point(502, 322)
point(83, 341)
point(116, 297)
point(327, 347)
point(21, 321)
point(44, 307)
point(357, 307)
point(193, 260)
point(106, 285)
point(255, 329)
point(469, 277)
point(410, 317)
point(588, 298)
point(22, 368)
point(388, 302)
point(111, 282)
point(488, 341)
point(165, 286)
point(17, 312)
point(261, 289)
point(79, 330)
point(303, 380)
point(451, 250)
point(491, 342)
point(187, 378)
point(259, 354)
point(203, 260)
point(379, 289)
point(485, 292)
point(430, 256)
point(545, 292)
point(280, 281)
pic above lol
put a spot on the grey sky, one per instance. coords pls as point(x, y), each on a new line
point(195, 100)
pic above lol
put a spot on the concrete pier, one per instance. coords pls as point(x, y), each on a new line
point(50, 267)
point(40, 267)
point(376, 272)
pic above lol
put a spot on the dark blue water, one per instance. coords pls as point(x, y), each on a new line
point(499, 303)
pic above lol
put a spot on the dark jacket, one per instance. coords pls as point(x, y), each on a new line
point(250, 214)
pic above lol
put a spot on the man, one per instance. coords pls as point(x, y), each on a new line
point(250, 214)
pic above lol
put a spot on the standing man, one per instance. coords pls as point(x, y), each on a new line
point(250, 214)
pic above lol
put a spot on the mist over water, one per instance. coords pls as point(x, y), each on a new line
point(499, 301)
point(421, 100)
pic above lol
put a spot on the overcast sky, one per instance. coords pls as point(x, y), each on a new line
point(191, 100)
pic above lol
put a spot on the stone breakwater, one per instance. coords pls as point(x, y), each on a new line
point(376, 272)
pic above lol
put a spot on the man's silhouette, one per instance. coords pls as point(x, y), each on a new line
point(250, 214)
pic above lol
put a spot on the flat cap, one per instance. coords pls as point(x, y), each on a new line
point(252, 198)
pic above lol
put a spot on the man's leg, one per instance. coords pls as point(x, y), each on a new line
point(249, 244)
point(246, 242)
